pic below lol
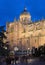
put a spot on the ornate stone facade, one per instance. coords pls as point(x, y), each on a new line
point(24, 33)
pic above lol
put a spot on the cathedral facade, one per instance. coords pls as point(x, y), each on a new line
point(24, 33)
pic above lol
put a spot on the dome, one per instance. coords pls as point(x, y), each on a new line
point(25, 12)
point(25, 15)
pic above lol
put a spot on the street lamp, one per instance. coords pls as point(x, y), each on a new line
point(15, 49)
point(5, 48)
point(28, 51)
point(5, 51)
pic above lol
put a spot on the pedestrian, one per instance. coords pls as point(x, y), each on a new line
point(8, 60)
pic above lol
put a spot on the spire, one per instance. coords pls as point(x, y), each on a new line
point(15, 19)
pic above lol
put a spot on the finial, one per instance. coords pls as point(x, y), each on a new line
point(25, 9)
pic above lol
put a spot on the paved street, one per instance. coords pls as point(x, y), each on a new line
point(30, 62)
point(33, 62)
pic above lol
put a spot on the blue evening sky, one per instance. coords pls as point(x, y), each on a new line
point(9, 9)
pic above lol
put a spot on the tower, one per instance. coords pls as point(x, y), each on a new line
point(25, 16)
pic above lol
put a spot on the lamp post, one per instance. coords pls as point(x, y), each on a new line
point(15, 49)
point(5, 51)
point(5, 48)
point(28, 51)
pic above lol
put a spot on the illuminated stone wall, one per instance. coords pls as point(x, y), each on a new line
point(24, 33)
point(28, 36)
